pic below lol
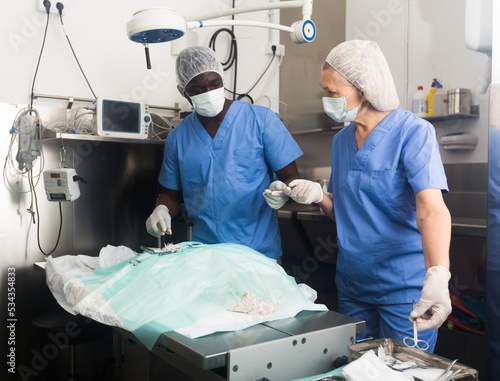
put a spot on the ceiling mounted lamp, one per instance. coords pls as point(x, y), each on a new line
point(155, 25)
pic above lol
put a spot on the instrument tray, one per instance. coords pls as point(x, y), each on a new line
point(404, 353)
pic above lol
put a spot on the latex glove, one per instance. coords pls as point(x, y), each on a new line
point(436, 297)
point(159, 222)
point(275, 196)
point(305, 191)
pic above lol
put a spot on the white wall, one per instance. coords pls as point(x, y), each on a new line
point(422, 40)
point(495, 75)
point(385, 22)
point(114, 65)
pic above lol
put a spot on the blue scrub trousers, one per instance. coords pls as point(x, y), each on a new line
point(385, 321)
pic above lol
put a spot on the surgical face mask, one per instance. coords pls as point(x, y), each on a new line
point(209, 104)
point(336, 108)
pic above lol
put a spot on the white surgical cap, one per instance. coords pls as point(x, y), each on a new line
point(193, 61)
point(363, 64)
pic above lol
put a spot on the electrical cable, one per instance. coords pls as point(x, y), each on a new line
point(264, 72)
point(275, 70)
point(243, 96)
point(60, 7)
point(79, 128)
point(233, 60)
point(233, 52)
point(40, 56)
point(66, 128)
point(155, 126)
point(247, 94)
point(233, 40)
point(168, 122)
point(9, 160)
point(232, 57)
point(268, 83)
point(38, 226)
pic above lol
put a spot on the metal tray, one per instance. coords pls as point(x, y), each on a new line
point(403, 353)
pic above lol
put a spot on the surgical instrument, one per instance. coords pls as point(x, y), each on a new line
point(135, 261)
point(414, 341)
point(444, 376)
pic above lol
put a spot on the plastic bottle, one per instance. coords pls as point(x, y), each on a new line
point(419, 103)
point(430, 102)
point(435, 87)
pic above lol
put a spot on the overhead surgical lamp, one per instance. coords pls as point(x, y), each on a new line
point(154, 25)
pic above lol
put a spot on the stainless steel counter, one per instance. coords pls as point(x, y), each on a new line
point(303, 213)
point(473, 227)
point(308, 235)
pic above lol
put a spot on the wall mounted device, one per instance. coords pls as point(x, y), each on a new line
point(458, 141)
point(154, 25)
point(122, 119)
point(61, 184)
point(479, 25)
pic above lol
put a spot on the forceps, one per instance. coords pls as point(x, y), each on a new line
point(414, 341)
point(446, 375)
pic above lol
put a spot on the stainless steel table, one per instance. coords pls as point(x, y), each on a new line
point(302, 346)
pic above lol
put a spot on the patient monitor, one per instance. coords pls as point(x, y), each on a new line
point(122, 119)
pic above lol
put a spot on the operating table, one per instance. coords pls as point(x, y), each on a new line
point(286, 349)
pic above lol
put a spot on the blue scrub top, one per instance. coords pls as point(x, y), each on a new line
point(222, 179)
point(380, 257)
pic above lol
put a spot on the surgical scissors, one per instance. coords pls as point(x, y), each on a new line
point(414, 341)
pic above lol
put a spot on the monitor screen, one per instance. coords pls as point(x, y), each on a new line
point(119, 116)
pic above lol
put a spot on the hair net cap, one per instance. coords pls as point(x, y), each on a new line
point(193, 61)
point(363, 64)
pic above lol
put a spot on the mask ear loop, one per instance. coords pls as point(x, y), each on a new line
point(186, 95)
point(350, 93)
point(360, 103)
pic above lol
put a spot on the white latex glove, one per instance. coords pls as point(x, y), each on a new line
point(275, 196)
point(159, 222)
point(304, 191)
point(436, 297)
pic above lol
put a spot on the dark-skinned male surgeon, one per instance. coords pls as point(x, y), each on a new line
point(219, 161)
point(387, 181)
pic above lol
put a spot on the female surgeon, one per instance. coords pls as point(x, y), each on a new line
point(387, 181)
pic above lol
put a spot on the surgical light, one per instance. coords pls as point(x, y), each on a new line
point(150, 26)
point(155, 25)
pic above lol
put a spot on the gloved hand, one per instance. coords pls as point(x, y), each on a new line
point(275, 196)
point(305, 191)
point(436, 296)
point(159, 222)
